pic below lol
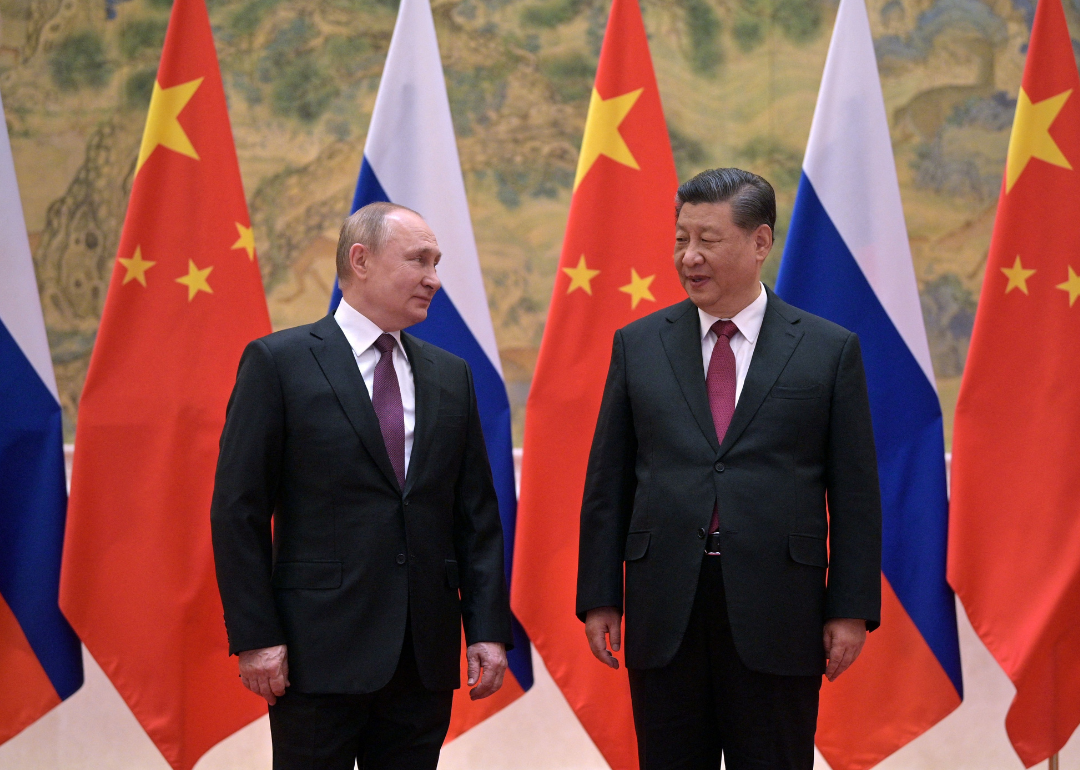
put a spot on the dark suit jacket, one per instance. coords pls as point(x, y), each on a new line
point(801, 433)
point(351, 552)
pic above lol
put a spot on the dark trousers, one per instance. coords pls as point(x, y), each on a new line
point(706, 702)
point(402, 726)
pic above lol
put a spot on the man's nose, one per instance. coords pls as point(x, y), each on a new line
point(431, 280)
point(692, 256)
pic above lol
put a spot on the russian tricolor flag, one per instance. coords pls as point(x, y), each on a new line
point(847, 259)
point(40, 656)
point(411, 159)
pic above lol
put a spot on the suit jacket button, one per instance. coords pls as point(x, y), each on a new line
point(719, 467)
point(401, 558)
point(701, 533)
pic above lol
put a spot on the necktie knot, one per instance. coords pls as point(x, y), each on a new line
point(385, 343)
point(724, 329)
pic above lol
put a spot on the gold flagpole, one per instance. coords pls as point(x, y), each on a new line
point(1053, 762)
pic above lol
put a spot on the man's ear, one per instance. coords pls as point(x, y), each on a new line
point(763, 241)
point(359, 260)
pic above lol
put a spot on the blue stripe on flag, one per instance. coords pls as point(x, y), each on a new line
point(33, 505)
point(820, 275)
point(445, 328)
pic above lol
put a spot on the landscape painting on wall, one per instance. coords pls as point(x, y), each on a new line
point(738, 79)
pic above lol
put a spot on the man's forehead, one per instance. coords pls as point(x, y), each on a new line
point(704, 214)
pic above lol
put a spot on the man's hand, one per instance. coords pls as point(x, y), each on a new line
point(844, 639)
point(491, 657)
point(266, 671)
point(600, 623)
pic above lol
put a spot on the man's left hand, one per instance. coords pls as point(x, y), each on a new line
point(844, 639)
point(487, 664)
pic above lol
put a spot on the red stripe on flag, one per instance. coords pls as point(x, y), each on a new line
point(24, 676)
point(895, 691)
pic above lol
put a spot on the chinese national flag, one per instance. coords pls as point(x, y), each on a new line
point(137, 581)
point(1014, 535)
point(616, 266)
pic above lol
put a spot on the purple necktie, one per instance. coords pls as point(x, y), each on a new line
point(720, 382)
point(386, 398)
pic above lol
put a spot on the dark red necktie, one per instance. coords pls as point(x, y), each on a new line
point(720, 382)
point(386, 398)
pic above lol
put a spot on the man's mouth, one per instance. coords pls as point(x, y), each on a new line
point(697, 280)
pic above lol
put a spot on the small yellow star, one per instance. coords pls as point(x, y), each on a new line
point(162, 126)
point(602, 135)
point(246, 240)
point(136, 267)
point(1017, 276)
point(195, 280)
point(581, 276)
point(638, 288)
point(1030, 136)
point(1072, 286)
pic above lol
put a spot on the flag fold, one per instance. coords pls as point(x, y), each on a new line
point(1014, 537)
point(39, 653)
point(616, 266)
point(185, 298)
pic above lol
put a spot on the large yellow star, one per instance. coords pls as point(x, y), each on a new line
point(581, 276)
point(246, 240)
point(602, 135)
point(195, 280)
point(1017, 276)
point(638, 288)
point(1072, 286)
point(1031, 135)
point(162, 126)
point(136, 267)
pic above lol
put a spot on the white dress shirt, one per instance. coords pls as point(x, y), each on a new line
point(742, 344)
point(361, 334)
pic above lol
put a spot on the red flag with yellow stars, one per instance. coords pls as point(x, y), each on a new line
point(616, 266)
point(137, 581)
point(1014, 533)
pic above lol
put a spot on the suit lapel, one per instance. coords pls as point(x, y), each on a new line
point(426, 379)
point(335, 357)
point(777, 340)
point(681, 338)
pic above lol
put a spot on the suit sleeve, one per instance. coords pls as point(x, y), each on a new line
point(854, 582)
point(245, 491)
point(608, 499)
point(478, 540)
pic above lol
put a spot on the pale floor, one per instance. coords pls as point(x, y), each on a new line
point(93, 730)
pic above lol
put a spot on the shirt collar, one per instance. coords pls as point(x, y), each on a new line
point(360, 331)
point(749, 319)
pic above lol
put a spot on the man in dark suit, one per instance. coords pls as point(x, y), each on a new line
point(362, 446)
point(728, 420)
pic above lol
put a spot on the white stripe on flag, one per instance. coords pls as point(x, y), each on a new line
point(851, 131)
point(20, 304)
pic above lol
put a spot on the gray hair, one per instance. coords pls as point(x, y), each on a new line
point(367, 225)
point(753, 201)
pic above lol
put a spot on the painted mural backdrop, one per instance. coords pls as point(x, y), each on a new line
point(738, 78)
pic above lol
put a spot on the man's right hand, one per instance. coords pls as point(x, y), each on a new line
point(266, 671)
point(601, 623)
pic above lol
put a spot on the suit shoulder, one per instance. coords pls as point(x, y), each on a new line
point(444, 358)
point(815, 325)
point(289, 339)
point(824, 328)
point(657, 319)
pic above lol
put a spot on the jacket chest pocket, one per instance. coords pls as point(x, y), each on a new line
point(800, 393)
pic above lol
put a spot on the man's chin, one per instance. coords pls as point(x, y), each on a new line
point(416, 315)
